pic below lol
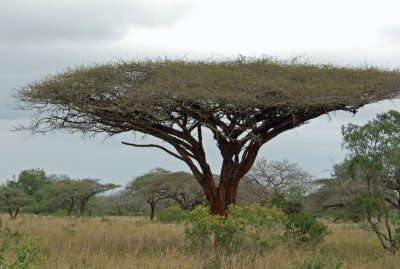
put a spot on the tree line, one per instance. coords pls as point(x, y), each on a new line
point(33, 191)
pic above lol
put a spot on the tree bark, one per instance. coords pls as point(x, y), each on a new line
point(222, 196)
point(232, 171)
point(226, 196)
point(152, 210)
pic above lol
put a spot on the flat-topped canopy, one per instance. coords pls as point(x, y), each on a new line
point(261, 83)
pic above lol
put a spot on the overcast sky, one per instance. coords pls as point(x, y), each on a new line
point(41, 37)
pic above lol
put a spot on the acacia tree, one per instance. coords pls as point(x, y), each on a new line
point(244, 103)
point(62, 193)
point(72, 195)
point(182, 188)
point(86, 189)
point(147, 186)
point(160, 184)
point(12, 199)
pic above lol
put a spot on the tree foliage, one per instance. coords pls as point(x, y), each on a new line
point(86, 189)
point(181, 187)
point(31, 181)
point(171, 214)
point(147, 187)
point(160, 184)
point(243, 102)
point(333, 198)
point(12, 199)
point(304, 228)
point(74, 195)
point(374, 154)
point(246, 232)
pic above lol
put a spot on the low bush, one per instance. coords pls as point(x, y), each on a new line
point(22, 249)
point(246, 232)
point(304, 228)
point(171, 215)
point(292, 207)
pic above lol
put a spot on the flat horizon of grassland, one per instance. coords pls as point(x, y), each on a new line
point(135, 242)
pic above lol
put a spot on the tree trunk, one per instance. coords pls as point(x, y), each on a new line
point(16, 213)
point(10, 213)
point(152, 210)
point(226, 196)
point(233, 170)
point(69, 210)
point(13, 215)
point(82, 207)
point(219, 198)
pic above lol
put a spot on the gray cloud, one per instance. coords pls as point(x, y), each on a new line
point(75, 20)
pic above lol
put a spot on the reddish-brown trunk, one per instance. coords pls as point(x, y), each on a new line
point(232, 171)
point(152, 210)
point(225, 196)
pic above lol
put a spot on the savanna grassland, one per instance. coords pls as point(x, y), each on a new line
point(135, 242)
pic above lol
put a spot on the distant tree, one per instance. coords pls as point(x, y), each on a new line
point(74, 195)
point(181, 187)
point(86, 189)
point(31, 182)
point(147, 186)
point(160, 184)
point(333, 198)
point(270, 176)
point(63, 194)
point(249, 193)
point(120, 203)
point(374, 159)
point(243, 102)
point(12, 199)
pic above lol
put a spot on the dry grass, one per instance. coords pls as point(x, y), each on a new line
point(131, 242)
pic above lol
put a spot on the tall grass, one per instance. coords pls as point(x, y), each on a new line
point(133, 242)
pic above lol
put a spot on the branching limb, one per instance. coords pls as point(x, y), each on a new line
point(154, 146)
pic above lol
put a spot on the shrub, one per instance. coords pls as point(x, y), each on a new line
point(304, 228)
point(22, 247)
point(245, 231)
point(171, 215)
point(289, 206)
point(292, 207)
